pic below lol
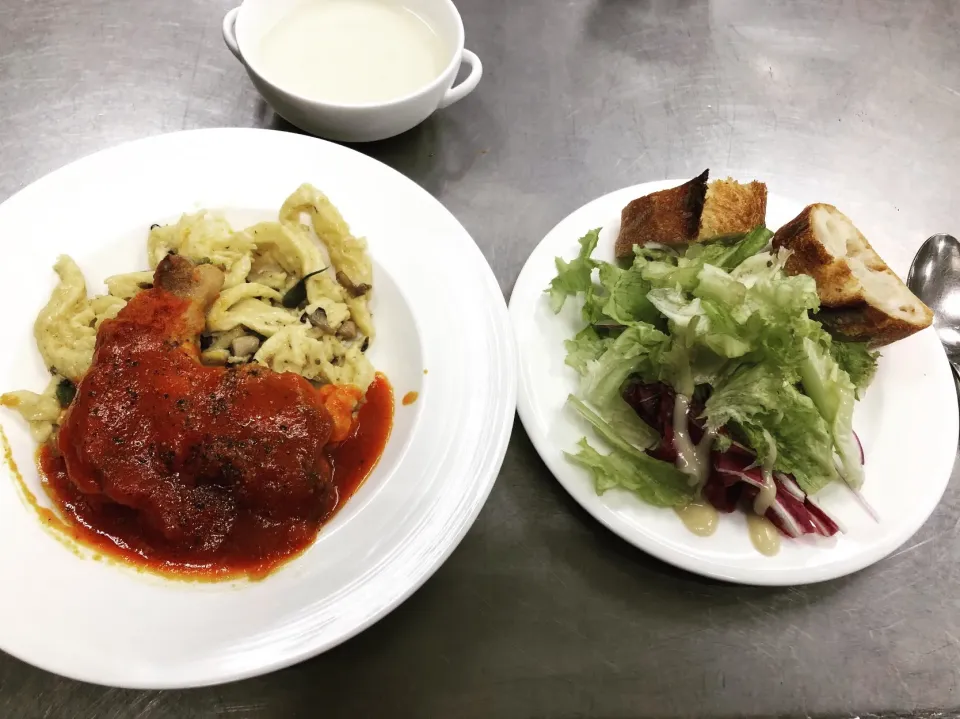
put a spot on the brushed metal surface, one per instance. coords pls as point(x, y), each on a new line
point(541, 611)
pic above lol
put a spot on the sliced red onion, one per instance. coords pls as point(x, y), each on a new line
point(791, 510)
point(725, 464)
point(829, 526)
point(783, 520)
point(796, 509)
point(787, 482)
point(861, 500)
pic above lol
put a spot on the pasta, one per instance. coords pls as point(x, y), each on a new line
point(323, 336)
point(66, 328)
point(41, 411)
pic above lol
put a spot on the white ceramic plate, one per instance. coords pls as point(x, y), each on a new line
point(443, 331)
point(907, 422)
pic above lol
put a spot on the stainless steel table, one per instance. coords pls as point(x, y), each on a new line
point(541, 611)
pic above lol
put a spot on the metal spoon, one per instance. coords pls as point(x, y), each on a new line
point(934, 277)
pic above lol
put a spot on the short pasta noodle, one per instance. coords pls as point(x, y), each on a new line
point(295, 298)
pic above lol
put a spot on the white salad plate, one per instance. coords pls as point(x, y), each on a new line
point(442, 331)
point(907, 422)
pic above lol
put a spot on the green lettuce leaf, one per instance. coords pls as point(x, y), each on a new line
point(785, 300)
point(777, 421)
point(671, 271)
point(717, 285)
point(619, 425)
point(857, 361)
point(722, 335)
point(575, 276)
point(666, 275)
point(624, 420)
point(675, 305)
point(774, 317)
point(833, 394)
point(660, 253)
point(754, 241)
point(756, 312)
point(636, 351)
point(724, 329)
point(594, 299)
point(655, 482)
point(626, 295)
point(586, 346)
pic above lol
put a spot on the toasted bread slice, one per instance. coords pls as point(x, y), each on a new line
point(732, 209)
point(861, 298)
point(668, 217)
point(693, 212)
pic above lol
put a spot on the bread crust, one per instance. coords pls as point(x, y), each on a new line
point(867, 324)
point(667, 217)
point(692, 212)
point(847, 312)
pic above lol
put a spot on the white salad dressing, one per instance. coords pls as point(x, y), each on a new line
point(767, 494)
point(699, 517)
point(764, 536)
point(353, 51)
point(691, 458)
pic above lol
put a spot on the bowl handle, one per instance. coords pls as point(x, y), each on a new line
point(464, 88)
point(230, 33)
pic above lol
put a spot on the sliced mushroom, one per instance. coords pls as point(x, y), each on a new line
point(348, 330)
point(354, 290)
point(223, 340)
point(66, 390)
point(297, 295)
point(244, 346)
point(318, 318)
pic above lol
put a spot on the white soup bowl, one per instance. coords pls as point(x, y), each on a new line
point(244, 28)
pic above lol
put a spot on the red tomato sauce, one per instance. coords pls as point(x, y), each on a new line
point(252, 549)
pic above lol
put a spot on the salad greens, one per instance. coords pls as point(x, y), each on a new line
point(723, 322)
point(780, 423)
point(857, 361)
point(575, 276)
point(655, 482)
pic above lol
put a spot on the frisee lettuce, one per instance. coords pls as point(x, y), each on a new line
point(833, 394)
point(781, 424)
point(724, 316)
point(655, 482)
point(575, 276)
point(585, 347)
point(637, 350)
point(857, 360)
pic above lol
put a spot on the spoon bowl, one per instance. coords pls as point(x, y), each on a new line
point(934, 277)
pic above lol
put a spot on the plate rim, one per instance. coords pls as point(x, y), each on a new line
point(694, 565)
point(504, 358)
